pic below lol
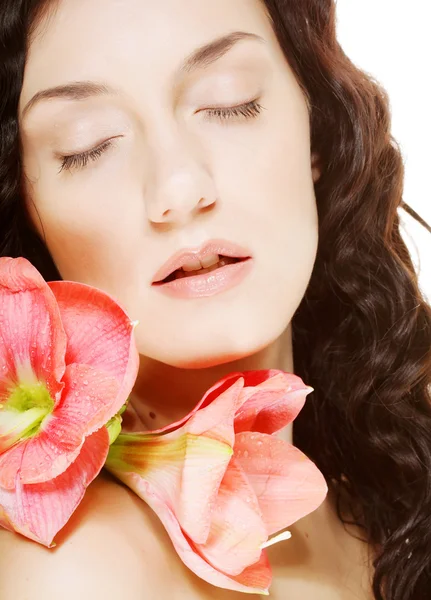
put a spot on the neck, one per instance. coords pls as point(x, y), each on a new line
point(163, 394)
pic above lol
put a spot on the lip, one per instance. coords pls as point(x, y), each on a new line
point(181, 257)
point(207, 284)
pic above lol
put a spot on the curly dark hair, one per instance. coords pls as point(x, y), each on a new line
point(362, 333)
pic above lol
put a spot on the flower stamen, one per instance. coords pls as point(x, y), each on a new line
point(284, 535)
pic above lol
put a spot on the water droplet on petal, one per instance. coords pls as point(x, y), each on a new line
point(245, 453)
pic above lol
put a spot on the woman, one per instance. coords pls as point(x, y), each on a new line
point(136, 133)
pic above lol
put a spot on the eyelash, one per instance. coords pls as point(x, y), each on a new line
point(249, 110)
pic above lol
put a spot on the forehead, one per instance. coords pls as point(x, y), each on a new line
point(133, 40)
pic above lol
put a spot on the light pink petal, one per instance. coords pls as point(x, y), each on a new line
point(99, 332)
point(288, 485)
point(203, 473)
point(89, 400)
point(237, 527)
point(216, 420)
point(184, 546)
point(186, 470)
point(32, 338)
point(202, 465)
point(270, 404)
point(39, 511)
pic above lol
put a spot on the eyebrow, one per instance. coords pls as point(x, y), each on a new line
point(201, 58)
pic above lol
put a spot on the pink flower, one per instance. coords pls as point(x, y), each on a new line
point(220, 482)
point(68, 362)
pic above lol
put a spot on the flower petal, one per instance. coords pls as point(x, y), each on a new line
point(90, 399)
point(288, 485)
point(216, 420)
point(219, 388)
point(39, 511)
point(202, 466)
point(237, 526)
point(184, 546)
point(32, 338)
point(186, 469)
point(205, 472)
point(14, 424)
point(99, 332)
point(257, 576)
point(272, 400)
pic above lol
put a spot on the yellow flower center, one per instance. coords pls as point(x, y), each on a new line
point(32, 400)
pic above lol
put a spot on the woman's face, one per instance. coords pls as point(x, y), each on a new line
point(169, 172)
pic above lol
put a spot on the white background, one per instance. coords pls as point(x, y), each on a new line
point(391, 40)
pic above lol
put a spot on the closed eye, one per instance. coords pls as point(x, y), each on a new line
point(249, 110)
point(80, 161)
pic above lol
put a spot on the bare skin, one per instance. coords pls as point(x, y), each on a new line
point(115, 546)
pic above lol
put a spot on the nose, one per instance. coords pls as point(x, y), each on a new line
point(182, 187)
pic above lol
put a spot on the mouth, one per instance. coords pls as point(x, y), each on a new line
point(210, 263)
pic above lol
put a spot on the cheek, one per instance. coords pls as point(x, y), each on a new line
point(281, 217)
point(277, 197)
point(84, 221)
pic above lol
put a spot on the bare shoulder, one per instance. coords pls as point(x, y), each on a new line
point(98, 553)
point(113, 547)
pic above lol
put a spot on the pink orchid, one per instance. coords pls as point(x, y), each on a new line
point(220, 482)
point(68, 362)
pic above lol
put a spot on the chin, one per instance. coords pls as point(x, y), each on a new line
point(210, 351)
point(201, 361)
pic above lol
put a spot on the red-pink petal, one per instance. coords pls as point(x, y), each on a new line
point(257, 576)
point(89, 400)
point(32, 338)
point(36, 458)
point(219, 388)
point(270, 404)
point(39, 511)
point(288, 485)
point(99, 332)
point(183, 544)
point(257, 384)
point(237, 527)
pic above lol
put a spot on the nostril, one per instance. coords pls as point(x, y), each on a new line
point(205, 203)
